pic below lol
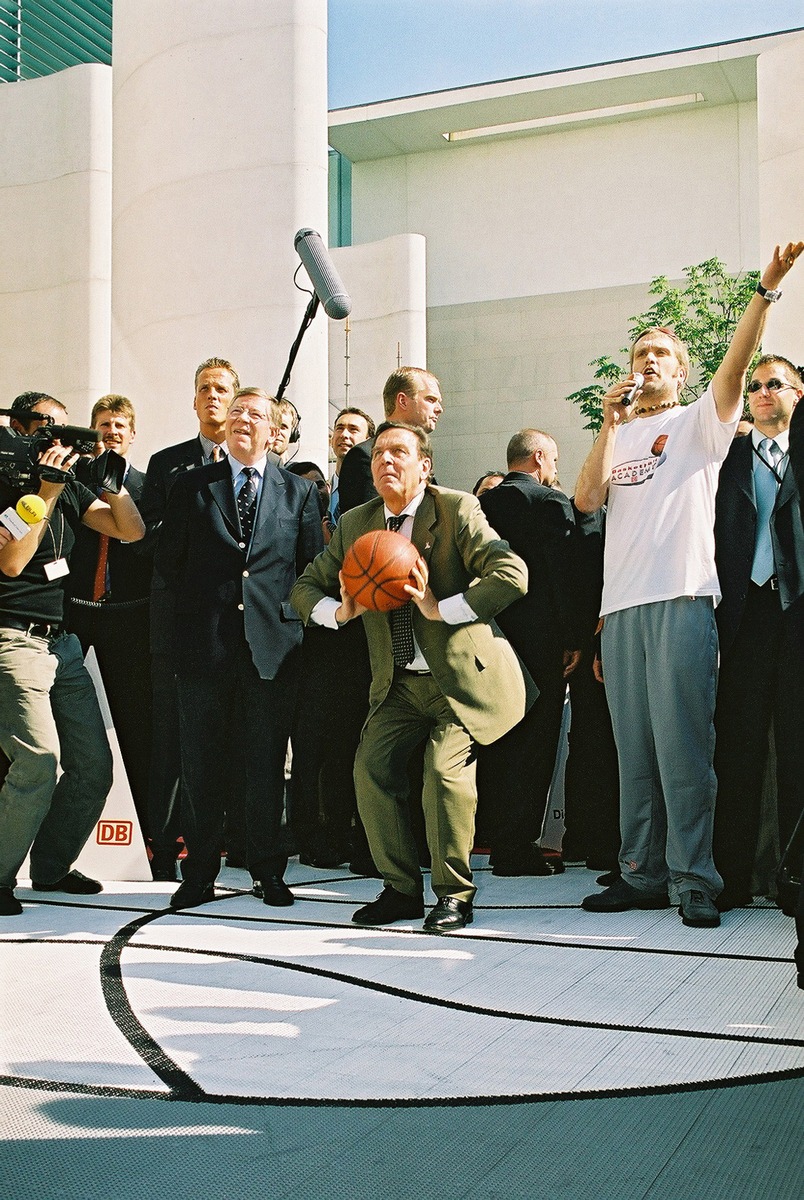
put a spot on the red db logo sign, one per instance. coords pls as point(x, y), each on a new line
point(114, 833)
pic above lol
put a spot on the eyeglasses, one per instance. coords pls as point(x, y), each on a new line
point(773, 385)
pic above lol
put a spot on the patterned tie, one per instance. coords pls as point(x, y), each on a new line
point(765, 488)
point(247, 502)
point(100, 583)
point(216, 454)
point(402, 644)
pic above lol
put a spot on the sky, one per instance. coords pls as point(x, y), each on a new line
point(379, 49)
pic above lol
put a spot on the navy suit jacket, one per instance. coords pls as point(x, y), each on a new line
point(735, 538)
point(220, 589)
point(163, 469)
point(355, 481)
point(538, 523)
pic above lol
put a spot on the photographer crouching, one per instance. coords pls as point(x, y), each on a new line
point(49, 714)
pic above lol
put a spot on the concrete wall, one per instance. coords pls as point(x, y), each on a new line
point(55, 236)
point(540, 248)
point(220, 156)
point(780, 123)
point(387, 325)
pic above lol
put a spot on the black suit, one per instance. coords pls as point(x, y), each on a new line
point(514, 773)
point(117, 627)
point(235, 639)
point(760, 631)
point(164, 816)
point(333, 706)
point(355, 481)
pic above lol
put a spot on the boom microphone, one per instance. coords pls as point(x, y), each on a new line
point(29, 511)
point(323, 276)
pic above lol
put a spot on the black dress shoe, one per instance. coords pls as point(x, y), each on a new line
point(74, 883)
point(608, 878)
point(164, 868)
point(448, 916)
point(191, 894)
point(323, 861)
point(9, 904)
point(273, 890)
point(621, 897)
point(364, 866)
point(534, 862)
point(389, 906)
point(728, 899)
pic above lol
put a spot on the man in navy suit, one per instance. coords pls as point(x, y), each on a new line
point(759, 551)
point(109, 588)
point(216, 382)
point(543, 626)
point(235, 536)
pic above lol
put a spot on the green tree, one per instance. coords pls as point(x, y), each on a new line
point(703, 313)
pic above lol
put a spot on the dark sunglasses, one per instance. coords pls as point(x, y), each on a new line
point(773, 385)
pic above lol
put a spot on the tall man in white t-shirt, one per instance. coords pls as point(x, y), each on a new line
point(658, 466)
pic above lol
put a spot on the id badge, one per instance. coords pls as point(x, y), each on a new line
point(57, 569)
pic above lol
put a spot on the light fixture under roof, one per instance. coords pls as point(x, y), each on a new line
point(577, 118)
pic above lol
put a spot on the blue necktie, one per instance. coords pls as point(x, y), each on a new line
point(765, 489)
point(247, 502)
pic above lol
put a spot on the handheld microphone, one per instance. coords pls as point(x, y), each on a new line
point(630, 396)
point(323, 276)
point(29, 511)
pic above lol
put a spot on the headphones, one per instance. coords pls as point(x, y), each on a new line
point(295, 430)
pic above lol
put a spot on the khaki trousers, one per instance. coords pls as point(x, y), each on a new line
point(415, 708)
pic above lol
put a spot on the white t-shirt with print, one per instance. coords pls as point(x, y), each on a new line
point(660, 541)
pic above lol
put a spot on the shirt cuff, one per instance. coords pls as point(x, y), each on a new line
point(324, 613)
point(455, 611)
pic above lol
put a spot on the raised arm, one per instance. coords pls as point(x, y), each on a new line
point(728, 382)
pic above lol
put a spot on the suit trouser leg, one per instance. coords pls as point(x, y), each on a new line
point(414, 708)
point(516, 771)
point(745, 703)
point(669, 650)
point(164, 789)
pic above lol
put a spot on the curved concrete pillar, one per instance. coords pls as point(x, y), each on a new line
point(780, 121)
point(55, 236)
point(220, 156)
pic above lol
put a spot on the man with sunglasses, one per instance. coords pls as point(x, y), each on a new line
point(656, 462)
point(759, 551)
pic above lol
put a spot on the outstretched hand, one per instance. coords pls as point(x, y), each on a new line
point(780, 264)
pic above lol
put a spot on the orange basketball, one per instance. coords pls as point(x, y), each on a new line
point(376, 568)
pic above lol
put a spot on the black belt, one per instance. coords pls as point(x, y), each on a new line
point(772, 583)
point(31, 628)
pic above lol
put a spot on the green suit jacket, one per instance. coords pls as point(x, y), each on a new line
point(473, 664)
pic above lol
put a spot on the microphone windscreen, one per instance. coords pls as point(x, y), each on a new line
point(31, 508)
point(323, 276)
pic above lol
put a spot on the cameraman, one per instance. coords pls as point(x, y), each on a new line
point(49, 712)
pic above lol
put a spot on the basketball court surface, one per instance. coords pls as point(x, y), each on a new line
point(237, 1051)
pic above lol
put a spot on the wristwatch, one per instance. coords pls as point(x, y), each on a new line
point(769, 294)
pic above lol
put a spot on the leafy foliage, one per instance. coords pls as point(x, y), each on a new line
point(703, 313)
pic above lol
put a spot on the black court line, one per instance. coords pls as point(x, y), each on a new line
point(183, 1087)
point(217, 1098)
point(476, 936)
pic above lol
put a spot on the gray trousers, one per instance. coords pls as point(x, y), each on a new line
point(660, 669)
point(49, 716)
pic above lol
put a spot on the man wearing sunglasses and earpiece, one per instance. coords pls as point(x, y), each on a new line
point(759, 551)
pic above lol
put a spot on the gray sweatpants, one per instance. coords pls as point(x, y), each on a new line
point(660, 668)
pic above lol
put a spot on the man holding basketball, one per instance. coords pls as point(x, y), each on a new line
point(440, 669)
